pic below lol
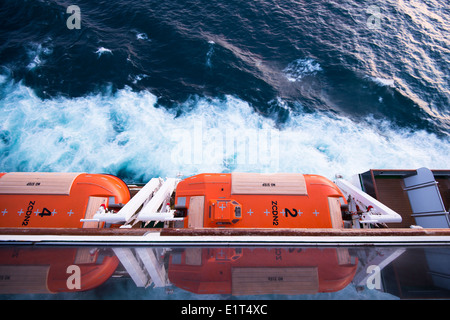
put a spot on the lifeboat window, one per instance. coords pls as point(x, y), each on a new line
point(237, 212)
point(181, 201)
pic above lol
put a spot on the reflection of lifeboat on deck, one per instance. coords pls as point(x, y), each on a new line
point(53, 270)
point(250, 271)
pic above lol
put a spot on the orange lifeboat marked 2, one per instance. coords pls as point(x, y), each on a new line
point(57, 200)
point(253, 200)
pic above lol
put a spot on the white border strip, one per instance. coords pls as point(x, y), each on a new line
point(154, 238)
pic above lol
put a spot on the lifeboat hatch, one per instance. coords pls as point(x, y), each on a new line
point(196, 211)
point(224, 211)
point(93, 204)
point(268, 183)
point(335, 212)
point(40, 183)
point(274, 280)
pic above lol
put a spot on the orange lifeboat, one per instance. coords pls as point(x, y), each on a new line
point(57, 200)
point(253, 200)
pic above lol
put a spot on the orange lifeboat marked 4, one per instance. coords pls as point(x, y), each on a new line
point(57, 200)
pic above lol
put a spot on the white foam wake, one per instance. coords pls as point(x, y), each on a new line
point(298, 69)
point(38, 53)
point(383, 81)
point(128, 131)
point(100, 51)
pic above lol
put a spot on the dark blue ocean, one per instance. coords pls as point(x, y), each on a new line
point(160, 88)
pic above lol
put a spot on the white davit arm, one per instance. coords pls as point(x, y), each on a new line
point(153, 198)
point(376, 212)
point(127, 212)
point(150, 212)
